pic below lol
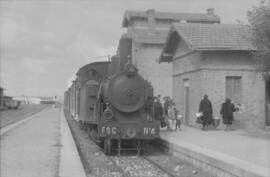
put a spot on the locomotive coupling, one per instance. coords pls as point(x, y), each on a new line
point(131, 132)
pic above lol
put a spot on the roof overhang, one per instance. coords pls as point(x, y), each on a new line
point(170, 46)
point(175, 35)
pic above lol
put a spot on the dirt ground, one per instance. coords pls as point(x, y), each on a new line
point(11, 116)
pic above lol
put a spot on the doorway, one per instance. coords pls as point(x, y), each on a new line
point(186, 100)
point(267, 103)
point(92, 91)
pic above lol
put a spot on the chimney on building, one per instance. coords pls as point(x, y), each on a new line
point(151, 19)
point(210, 11)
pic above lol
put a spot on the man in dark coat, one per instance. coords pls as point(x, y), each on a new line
point(149, 107)
point(226, 111)
point(206, 109)
point(158, 111)
point(166, 105)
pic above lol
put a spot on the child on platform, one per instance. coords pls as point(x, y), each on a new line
point(178, 121)
point(171, 119)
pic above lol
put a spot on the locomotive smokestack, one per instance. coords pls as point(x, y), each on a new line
point(115, 64)
point(124, 49)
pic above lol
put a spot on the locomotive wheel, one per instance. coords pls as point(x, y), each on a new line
point(94, 136)
point(139, 147)
point(107, 146)
point(80, 124)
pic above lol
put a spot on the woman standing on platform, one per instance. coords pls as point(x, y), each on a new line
point(206, 109)
point(226, 112)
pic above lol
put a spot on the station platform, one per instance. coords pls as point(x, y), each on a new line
point(223, 153)
point(70, 162)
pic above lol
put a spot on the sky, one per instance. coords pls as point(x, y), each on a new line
point(43, 43)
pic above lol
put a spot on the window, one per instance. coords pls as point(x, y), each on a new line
point(234, 88)
point(91, 73)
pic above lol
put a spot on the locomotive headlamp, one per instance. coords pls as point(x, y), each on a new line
point(108, 114)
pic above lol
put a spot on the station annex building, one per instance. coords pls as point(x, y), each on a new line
point(148, 31)
point(216, 59)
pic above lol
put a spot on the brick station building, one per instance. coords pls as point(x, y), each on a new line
point(148, 30)
point(215, 60)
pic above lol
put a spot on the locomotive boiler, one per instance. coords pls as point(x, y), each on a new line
point(112, 102)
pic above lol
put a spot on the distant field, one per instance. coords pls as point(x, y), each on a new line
point(11, 116)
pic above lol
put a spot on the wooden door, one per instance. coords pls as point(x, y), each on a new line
point(91, 100)
point(267, 103)
point(186, 101)
point(234, 88)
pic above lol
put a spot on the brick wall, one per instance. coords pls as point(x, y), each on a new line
point(160, 75)
point(187, 69)
point(218, 65)
point(195, 93)
point(252, 95)
point(207, 75)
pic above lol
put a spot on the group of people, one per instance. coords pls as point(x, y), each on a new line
point(166, 113)
point(170, 117)
point(226, 111)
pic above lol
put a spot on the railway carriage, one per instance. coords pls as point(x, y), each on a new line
point(113, 102)
point(90, 78)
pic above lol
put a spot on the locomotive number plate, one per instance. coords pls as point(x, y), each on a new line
point(108, 130)
point(149, 131)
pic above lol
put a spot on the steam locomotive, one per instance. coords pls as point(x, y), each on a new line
point(112, 102)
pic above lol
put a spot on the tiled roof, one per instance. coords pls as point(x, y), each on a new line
point(215, 36)
point(190, 17)
point(207, 37)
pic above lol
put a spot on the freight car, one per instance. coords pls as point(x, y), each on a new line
point(9, 103)
point(113, 102)
point(12, 104)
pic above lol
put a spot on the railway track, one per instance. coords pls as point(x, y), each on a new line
point(126, 165)
point(130, 165)
point(138, 166)
point(159, 166)
point(155, 162)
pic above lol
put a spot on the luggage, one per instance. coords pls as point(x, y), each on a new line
point(162, 122)
point(216, 121)
point(199, 118)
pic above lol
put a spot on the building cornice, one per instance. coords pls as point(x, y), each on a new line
point(213, 69)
